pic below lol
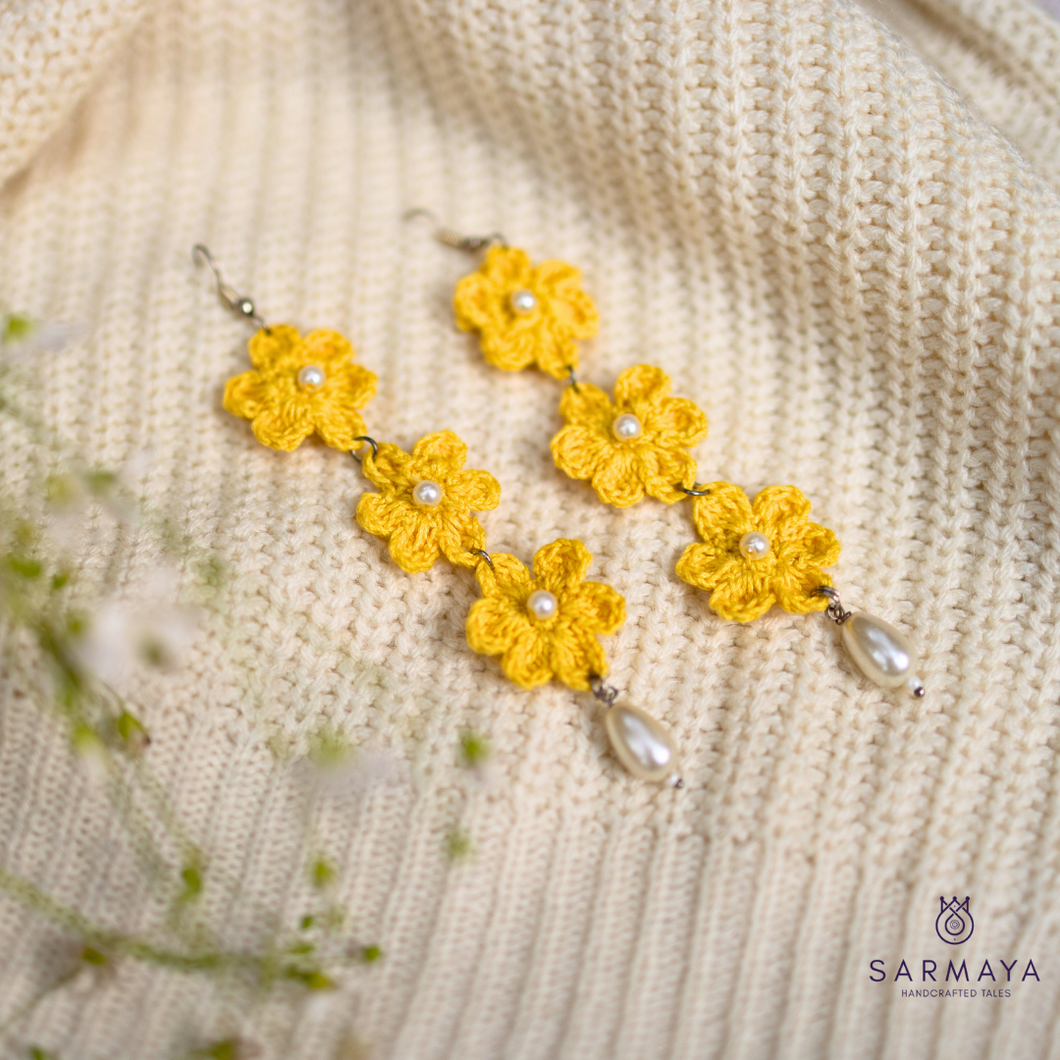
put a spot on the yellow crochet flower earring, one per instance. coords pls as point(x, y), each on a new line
point(637, 444)
point(542, 624)
point(525, 314)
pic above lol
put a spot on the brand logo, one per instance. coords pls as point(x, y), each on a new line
point(954, 924)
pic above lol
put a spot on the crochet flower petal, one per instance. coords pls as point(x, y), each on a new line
point(817, 546)
point(478, 491)
point(616, 480)
point(456, 538)
point(555, 278)
point(388, 468)
point(339, 427)
point(494, 623)
point(742, 597)
point(379, 513)
point(475, 302)
point(348, 385)
point(794, 588)
point(442, 448)
point(556, 352)
point(705, 567)
point(586, 405)
point(270, 348)
point(639, 386)
point(584, 320)
point(576, 656)
point(595, 607)
point(662, 470)
point(282, 427)
point(247, 394)
point(327, 348)
point(414, 544)
point(676, 422)
point(777, 506)
point(506, 268)
point(528, 661)
point(507, 577)
point(561, 565)
point(509, 348)
point(723, 516)
point(578, 450)
point(559, 286)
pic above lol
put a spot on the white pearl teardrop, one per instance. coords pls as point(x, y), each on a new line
point(642, 745)
point(883, 654)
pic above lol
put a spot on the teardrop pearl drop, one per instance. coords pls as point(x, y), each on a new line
point(883, 654)
point(642, 745)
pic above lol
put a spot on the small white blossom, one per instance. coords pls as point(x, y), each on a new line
point(126, 634)
point(24, 339)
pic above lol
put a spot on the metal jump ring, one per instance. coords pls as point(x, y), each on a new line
point(695, 491)
point(835, 610)
point(371, 441)
point(604, 692)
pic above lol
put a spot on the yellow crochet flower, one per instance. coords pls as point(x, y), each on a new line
point(301, 385)
point(526, 315)
point(635, 446)
point(544, 625)
point(426, 502)
point(787, 567)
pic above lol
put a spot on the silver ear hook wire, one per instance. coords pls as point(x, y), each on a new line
point(455, 239)
point(230, 297)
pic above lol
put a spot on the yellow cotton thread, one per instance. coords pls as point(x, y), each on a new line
point(525, 314)
point(745, 586)
point(636, 445)
point(563, 644)
point(426, 500)
point(301, 385)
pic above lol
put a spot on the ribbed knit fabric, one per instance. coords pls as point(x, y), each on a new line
point(825, 244)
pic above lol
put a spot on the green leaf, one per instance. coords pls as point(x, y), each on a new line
point(23, 566)
point(310, 977)
point(16, 326)
point(457, 844)
point(100, 481)
point(322, 873)
point(92, 956)
point(192, 884)
point(371, 953)
point(474, 748)
point(128, 726)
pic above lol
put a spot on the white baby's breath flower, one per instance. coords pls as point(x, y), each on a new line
point(22, 339)
point(343, 777)
point(127, 634)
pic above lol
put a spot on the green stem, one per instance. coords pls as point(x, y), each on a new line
point(118, 944)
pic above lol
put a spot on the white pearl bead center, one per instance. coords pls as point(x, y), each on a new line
point(627, 426)
point(754, 545)
point(427, 493)
point(311, 377)
point(523, 302)
point(542, 604)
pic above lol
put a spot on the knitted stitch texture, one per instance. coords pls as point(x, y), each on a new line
point(847, 258)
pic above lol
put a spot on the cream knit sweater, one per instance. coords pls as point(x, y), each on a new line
point(841, 237)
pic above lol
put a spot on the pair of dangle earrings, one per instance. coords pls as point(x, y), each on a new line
point(543, 622)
